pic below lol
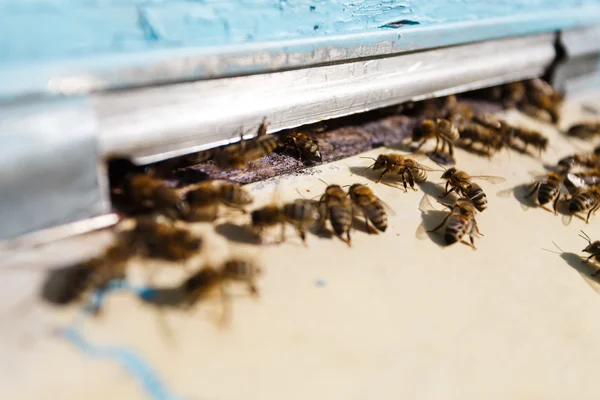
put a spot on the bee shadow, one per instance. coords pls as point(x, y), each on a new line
point(586, 270)
point(431, 219)
point(432, 189)
point(441, 158)
point(365, 172)
point(520, 192)
point(237, 233)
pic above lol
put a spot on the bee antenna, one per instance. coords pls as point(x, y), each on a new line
point(585, 236)
point(327, 184)
point(561, 250)
point(370, 158)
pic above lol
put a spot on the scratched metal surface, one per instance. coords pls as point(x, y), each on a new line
point(334, 322)
point(79, 46)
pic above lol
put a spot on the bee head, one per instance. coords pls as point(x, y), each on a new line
point(449, 173)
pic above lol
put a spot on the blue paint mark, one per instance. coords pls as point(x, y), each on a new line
point(149, 25)
point(321, 283)
point(131, 362)
point(398, 24)
point(98, 296)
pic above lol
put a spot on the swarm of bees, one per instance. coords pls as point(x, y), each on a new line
point(160, 208)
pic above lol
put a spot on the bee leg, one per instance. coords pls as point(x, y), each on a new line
point(472, 242)
point(441, 223)
point(282, 234)
point(450, 148)
point(447, 192)
point(348, 239)
point(225, 317)
point(302, 234)
point(411, 180)
point(587, 260)
point(597, 271)
point(385, 171)
point(437, 143)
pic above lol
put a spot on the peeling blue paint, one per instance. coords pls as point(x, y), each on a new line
point(131, 362)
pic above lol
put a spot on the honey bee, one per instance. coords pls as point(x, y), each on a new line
point(204, 198)
point(335, 206)
point(461, 182)
point(529, 137)
point(236, 156)
point(593, 248)
point(305, 146)
point(442, 129)
point(371, 206)
point(585, 200)
point(540, 95)
point(64, 286)
point(409, 170)
point(583, 160)
point(584, 130)
point(150, 193)
point(547, 189)
point(300, 213)
point(156, 238)
point(198, 286)
point(460, 221)
point(490, 134)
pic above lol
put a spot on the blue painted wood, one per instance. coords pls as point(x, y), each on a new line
point(42, 39)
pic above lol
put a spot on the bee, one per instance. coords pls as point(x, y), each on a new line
point(583, 160)
point(305, 146)
point(547, 189)
point(459, 222)
point(442, 129)
point(371, 206)
point(491, 139)
point(204, 198)
point(199, 285)
point(301, 214)
point(593, 248)
point(585, 200)
point(335, 206)
point(461, 182)
point(540, 95)
point(150, 193)
point(529, 137)
point(64, 286)
point(410, 170)
point(236, 156)
point(159, 239)
point(584, 130)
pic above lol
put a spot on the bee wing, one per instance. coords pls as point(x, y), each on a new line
point(387, 207)
point(566, 219)
point(425, 204)
point(421, 232)
point(494, 180)
point(506, 192)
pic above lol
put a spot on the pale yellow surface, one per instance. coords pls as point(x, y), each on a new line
point(396, 318)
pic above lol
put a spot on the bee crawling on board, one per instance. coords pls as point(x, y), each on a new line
point(335, 206)
point(148, 193)
point(462, 183)
point(301, 214)
point(442, 130)
point(530, 138)
point(544, 189)
point(585, 199)
point(578, 160)
point(204, 199)
point(372, 207)
point(203, 282)
point(460, 221)
point(593, 248)
point(304, 145)
point(238, 155)
point(409, 170)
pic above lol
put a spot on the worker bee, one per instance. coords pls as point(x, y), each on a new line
point(583, 160)
point(547, 189)
point(529, 137)
point(64, 286)
point(409, 170)
point(541, 97)
point(204, 198)
point(593, 248)
point(460, 221)
point(585, 200)
point(371, 207)
point(301, 214)
point(461, 182)
point(335, 206)
point(490, 134)
point(442, 129)
point(156, 238)
point(305, 146)
point(198, 286)
point(153, 194)
point(584, 130)
point(236, 156)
